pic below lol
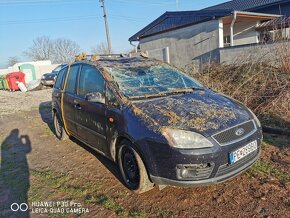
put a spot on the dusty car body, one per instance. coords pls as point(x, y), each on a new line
point(160, 126)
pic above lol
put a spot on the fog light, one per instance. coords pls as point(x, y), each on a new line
point(185, 173)
point(194, 171)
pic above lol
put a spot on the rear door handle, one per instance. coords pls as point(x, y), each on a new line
point(78, 106)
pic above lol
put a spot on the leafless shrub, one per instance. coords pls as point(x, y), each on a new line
point(264, 86)
point(12, 60)
point(100, 49)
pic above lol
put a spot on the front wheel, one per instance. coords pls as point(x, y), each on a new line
point(133, 169)
point(59, 128)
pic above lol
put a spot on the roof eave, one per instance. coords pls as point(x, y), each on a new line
point(258, 14)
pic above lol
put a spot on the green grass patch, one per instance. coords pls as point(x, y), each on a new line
point(73, 188)
point(277, 140)
point(164, 213)
point(263, 168)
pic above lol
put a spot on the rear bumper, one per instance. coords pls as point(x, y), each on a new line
point(210, 181)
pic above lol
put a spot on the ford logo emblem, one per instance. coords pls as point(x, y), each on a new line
point(240, 132)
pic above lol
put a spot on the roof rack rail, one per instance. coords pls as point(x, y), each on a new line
point(84, 56)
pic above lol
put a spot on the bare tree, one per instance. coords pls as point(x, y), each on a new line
point(64, 50)
point(58, 50)
point(12, 60)
point(41, 49)
point(101, 48)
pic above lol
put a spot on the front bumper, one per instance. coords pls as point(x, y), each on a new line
point(163, 161)
point(210, 181)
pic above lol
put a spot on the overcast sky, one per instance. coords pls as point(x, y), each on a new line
point(80, 20)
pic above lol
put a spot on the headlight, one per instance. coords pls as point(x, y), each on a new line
point(43, 77)
point(255, 118)
point(186, 139)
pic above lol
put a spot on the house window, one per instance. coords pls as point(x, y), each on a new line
point(227, 41)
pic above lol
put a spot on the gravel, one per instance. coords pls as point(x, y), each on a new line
point(13, 102)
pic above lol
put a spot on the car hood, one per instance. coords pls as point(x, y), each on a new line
point(205, 112)
point(52, 74)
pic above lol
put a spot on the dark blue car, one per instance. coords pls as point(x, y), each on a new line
point(48, 79)
point(159, 125)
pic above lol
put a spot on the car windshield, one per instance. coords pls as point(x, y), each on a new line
point(152, 80)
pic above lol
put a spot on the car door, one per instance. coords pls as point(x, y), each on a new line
point(58, 89)
point(91, 121)
point(70, 106)
point(115, 120)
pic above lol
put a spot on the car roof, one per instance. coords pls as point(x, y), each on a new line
point(123, 63)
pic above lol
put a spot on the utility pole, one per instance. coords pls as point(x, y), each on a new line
point(107, 26)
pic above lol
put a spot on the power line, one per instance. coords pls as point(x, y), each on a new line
point(127, 18)
point(75, 18)
point(145, 2)
point(48, 20)
point(44, 2)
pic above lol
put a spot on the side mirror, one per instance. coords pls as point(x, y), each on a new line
point(95, 97)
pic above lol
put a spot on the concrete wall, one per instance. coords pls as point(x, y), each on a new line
point(190, 45)
point(244, 32)
point(255, 53)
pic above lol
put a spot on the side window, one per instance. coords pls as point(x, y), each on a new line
point(90, 81)
point(71, 80)
point(60, 78)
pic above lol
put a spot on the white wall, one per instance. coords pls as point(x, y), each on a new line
point(270, 53)
point(186, 46)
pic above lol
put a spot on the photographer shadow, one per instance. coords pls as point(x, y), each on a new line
point(14, 175)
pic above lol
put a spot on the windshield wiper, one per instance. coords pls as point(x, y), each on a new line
point(164, 93)
point(184, 90)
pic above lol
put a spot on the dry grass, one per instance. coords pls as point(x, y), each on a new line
point(263, 86)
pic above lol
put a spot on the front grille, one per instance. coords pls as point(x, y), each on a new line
point(229, 136)
point(227, 168)
point(194, 171)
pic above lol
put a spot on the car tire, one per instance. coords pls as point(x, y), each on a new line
point(58, 127)
point(132, 168)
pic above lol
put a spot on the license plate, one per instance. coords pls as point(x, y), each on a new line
point(243, 152)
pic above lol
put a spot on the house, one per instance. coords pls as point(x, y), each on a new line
point(281, 7)
point(184, 38)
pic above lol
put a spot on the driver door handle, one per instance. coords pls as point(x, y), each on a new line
point(78, 106)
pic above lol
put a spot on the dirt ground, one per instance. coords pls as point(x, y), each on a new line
point(36, 167)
